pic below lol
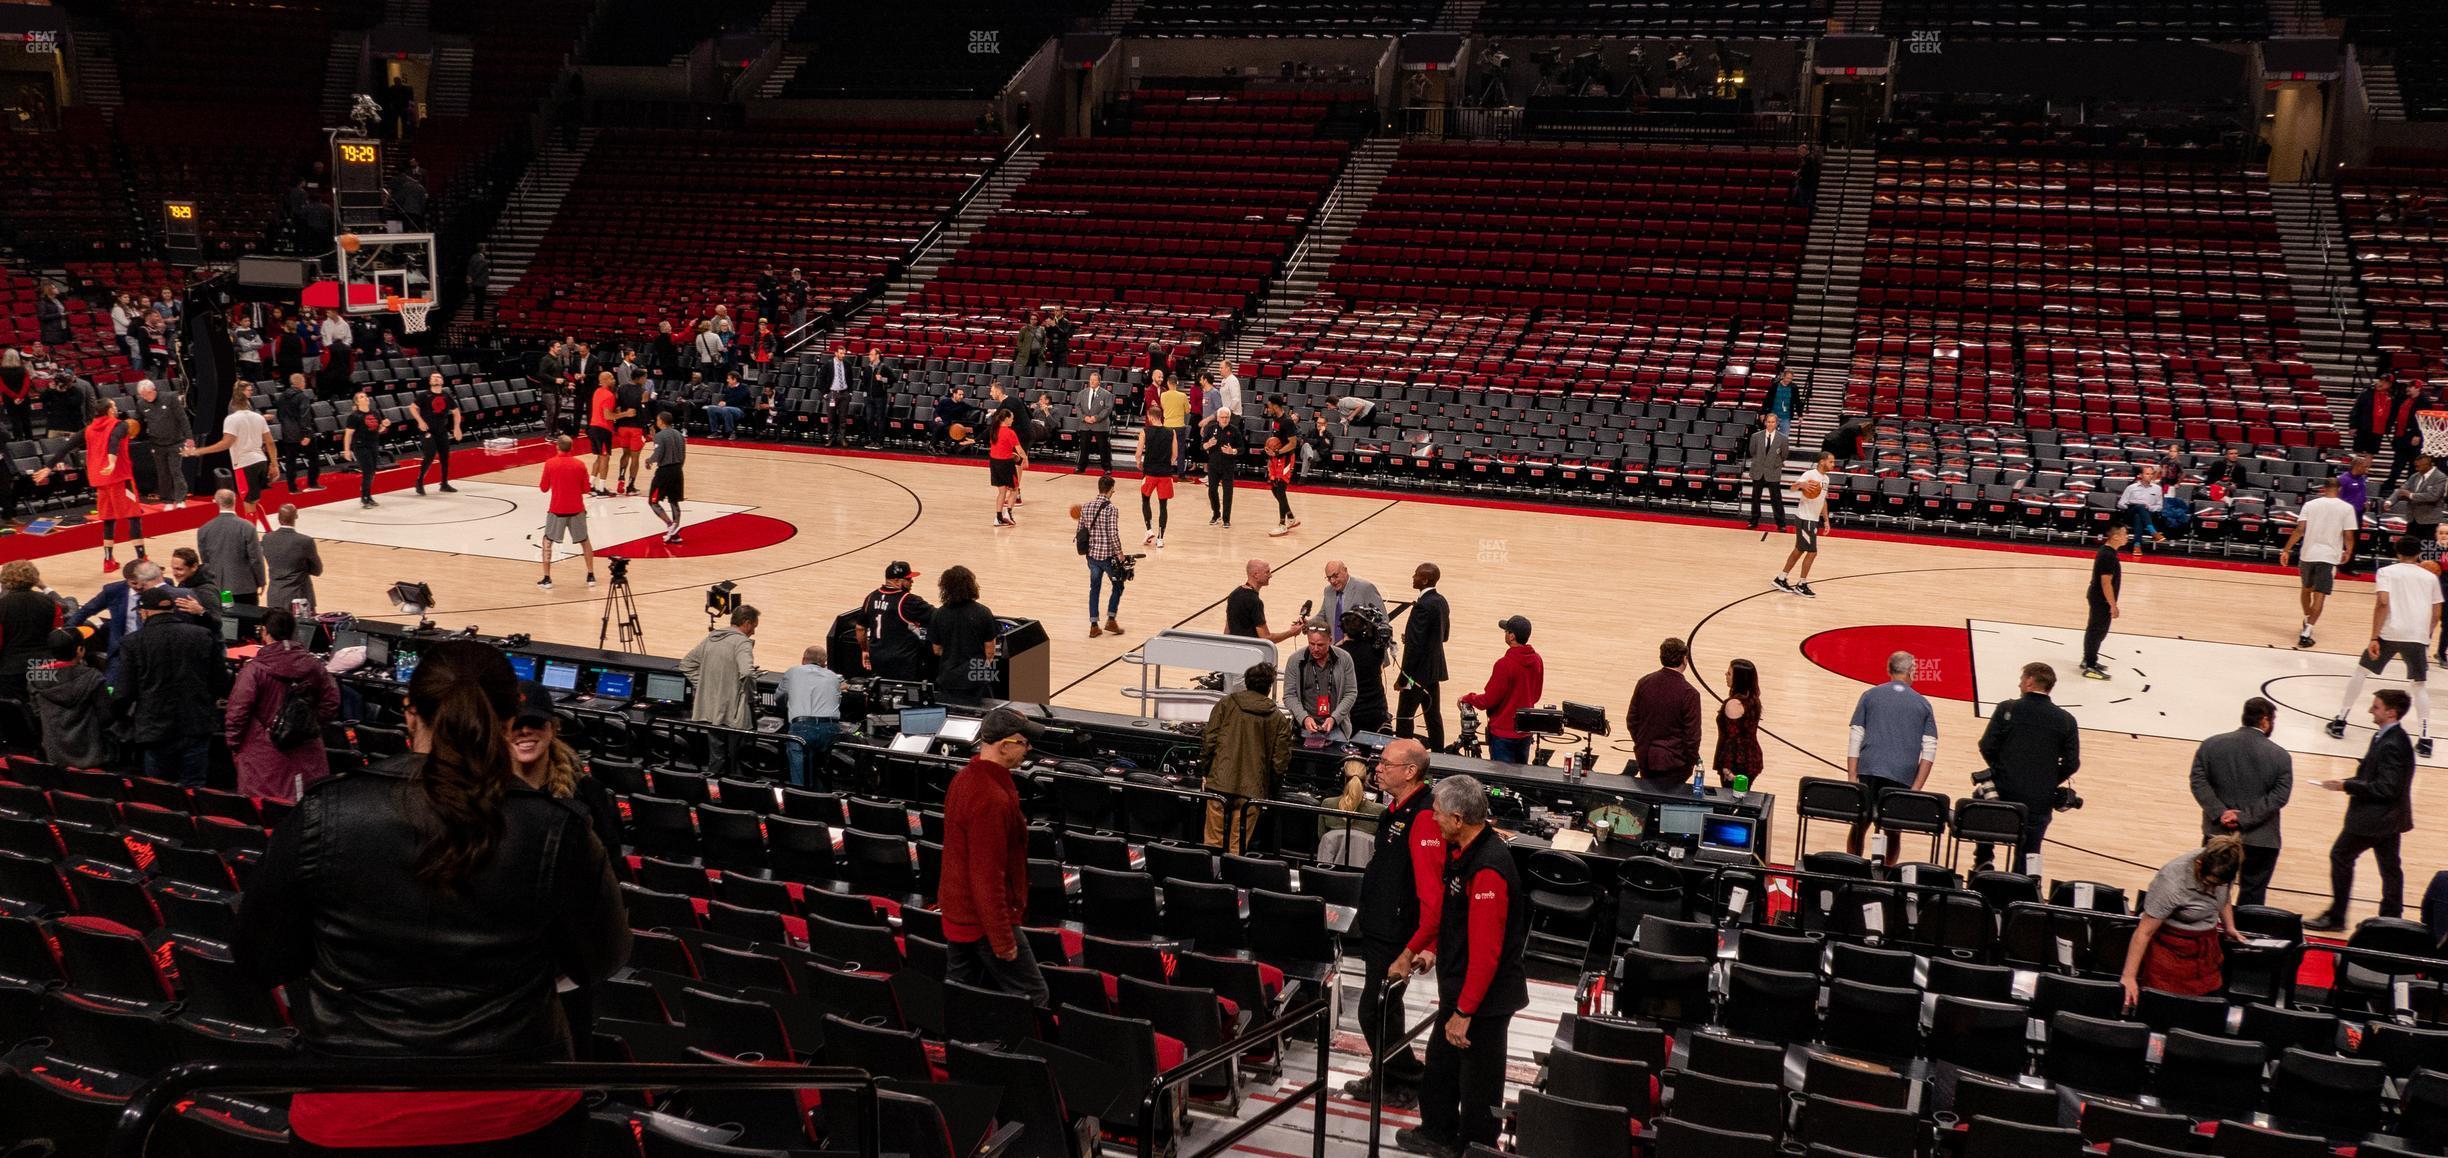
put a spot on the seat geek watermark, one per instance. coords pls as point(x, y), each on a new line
point(1927, 42)
point(40, 43)
point(985, 42)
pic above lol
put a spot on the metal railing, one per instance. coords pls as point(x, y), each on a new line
point(181, 1084)
point(1317, 1009)
point(1385, 1049)
point(2329, 246)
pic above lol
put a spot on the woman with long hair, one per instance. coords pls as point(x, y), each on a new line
point(547, 764)
point(1738, 717)
point(427, 909)
point(2187, 914)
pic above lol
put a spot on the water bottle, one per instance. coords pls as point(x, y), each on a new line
point(1699, 783)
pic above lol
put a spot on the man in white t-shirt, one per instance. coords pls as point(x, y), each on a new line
point(2325, 527)
point(2404, 618)
point(248, 438)
point(1810, 517)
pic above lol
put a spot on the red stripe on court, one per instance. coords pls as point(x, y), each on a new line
point(1942, 656)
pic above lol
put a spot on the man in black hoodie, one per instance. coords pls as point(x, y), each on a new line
point(72, 701)
point(174, 667)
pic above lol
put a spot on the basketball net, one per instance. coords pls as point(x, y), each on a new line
point(414, 311)
point(2434, 425)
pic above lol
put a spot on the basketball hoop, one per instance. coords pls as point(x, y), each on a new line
point(414, 311)
point(2434, 425)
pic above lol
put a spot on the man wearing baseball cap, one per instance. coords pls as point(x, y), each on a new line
point(1519, 677)
point(892, 627)
point(984, 891)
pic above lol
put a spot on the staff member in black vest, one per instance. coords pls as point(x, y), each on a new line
point(892, 629)
point(1400, 896)
point(1482, 929)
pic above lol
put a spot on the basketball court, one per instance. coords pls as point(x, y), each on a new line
point(805, 533)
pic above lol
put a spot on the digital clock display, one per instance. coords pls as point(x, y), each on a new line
point(361, 154)
point(181, 212)
point(357, 165)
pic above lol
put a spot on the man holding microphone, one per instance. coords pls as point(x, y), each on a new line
point(1401, 893)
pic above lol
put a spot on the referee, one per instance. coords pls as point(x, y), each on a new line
point(1482, 929)
point(1401, 893)
point(892, 628)
point(666, 486)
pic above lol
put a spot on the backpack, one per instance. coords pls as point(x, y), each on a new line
point(294, 725)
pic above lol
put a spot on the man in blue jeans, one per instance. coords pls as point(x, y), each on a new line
point(174, 670)
point(811, 702)
point(1101, 522)
point(722, 418)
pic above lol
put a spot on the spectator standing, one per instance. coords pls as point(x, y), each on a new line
point(1402, 893)
point(984, 892)
point(28, 616)
point(233, 551)
point(1480, 984)
point(273, 761)
point(2100, 598)
point(72, 701)
point(1738, 721)
point(291, 563)
point(2379, 812)
point(2405, 431)
point(839, 395)
point(385, 892)
point(51, 316)
point(17, 392)
point(706, 348)
point(161, 416)
point(1028, 345)
point(1422, 672)
point(2187, 912)
point(1247, 747)
point(2033, 747)
point(1891, 743)
point(2242, 780)
point(1100, 538)
point(174, 668)
point(1058, 333)
point(965, 635)
point(1515, 683)
point(1321, 688)
point(1664, 721)
point(1766, 466)
point(811, 711)
point(722, 669)
point(877, 381)
point(479, 280)
point(2368, 419)
point(551, 380)
point(1094, 406)
point(2422, 494)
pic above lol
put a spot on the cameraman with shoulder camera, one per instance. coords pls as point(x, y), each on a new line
point(2032, 747)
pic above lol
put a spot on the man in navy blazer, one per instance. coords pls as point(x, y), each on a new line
point(119, 598)
point(2379, 812)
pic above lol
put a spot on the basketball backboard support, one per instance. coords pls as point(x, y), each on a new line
point(385, 270)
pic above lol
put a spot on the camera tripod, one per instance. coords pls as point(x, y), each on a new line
point(620, 605)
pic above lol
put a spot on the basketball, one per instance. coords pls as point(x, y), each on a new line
point(1811, 488)
point(1274, 447)
point(1075, 512)
point(349, 243)
point(2431, 565)
point(958, 432)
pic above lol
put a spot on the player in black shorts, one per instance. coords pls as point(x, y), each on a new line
point(892, 628)
point(668, 452)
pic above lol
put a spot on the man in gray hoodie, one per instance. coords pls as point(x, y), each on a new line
point(722, 668)
point(1321, 686)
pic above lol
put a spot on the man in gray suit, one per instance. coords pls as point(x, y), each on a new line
point(161, 416)
point(1766, 466)
point(1094, 406)
point(291, 558)
point(232, 549)
point(2422, 494)
point(1344, 593)
point(2241, 779)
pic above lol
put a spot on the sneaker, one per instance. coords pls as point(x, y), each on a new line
point(2422, 747)
point(1228, 526)
point(2336, 728)
point(673, 538)
point(449, 489)
point(110, 566)
point(1281, 529)
point(545, 583)
point(1803, 590)
point(1784, 584)
point(1149, 541)
point(2304, 640)
point(1160, 542)
point(590, 578)
point(1214, 520)
point(366, 503)
point(420, 489)
point(2094, 672)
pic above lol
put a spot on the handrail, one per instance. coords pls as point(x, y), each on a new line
point(1386, 1049)
point(1229, 1052)
point(800, 336)
point(131, 1135)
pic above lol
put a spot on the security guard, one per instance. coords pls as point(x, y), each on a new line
point(1481, 933)
point(1400, 895)
point(892, 628)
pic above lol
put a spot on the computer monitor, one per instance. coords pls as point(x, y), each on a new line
point(560, 675)
point(613, 683)
point(666, 687)
point(522, 666)
point(378, 652)
point(348, 637)
point(304, 634)
point(1681, 819)
point(1729, 833)
point(924, 721)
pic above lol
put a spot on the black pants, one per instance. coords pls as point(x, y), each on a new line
point(2095, 631)
point(837, 413)
point(2406, 450)
point(1404, 1068)
point(2252, 884)
point(1423, 698)
point(975, 963)
point(1283, 501)
point(2350, 848)
point(169, 474)
point(1775, 490)
point(878, 404)
point(1220, 488)
point(2036, 817)
point(1099, 441)
point(21, 418)
point(437, 448)
point(369, 462)
point(1463, 1089)
point(300, 462)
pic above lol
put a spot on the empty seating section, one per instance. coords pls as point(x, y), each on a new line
point(2123, 297)
point(1762, 18)
point(671, 222)
point(1636, 272)
point(1971, 124)
point(1150, 238)
point(966, 48)
point(2396, 219)
point(650, 32)
point(1282, 17)
point(2409, 35)
point(2096, 19)
point(65, 193)
point(235, 167)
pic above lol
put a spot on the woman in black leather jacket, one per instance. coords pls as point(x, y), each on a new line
point(426, 909)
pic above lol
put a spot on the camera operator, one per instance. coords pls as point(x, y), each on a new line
point(1321, 688)
point(1367, 638)
point(2033, 747)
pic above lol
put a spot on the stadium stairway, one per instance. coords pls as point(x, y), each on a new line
point(1827, 297)
point(1855, 16)
point(2380, 92)
point(97, 67)
point(2329, 312)
point(343, 73)
point(532, 207)
point(454, 76)
point(974, 216)
point(2296, 18)
point(1302, 273)
point(1117, 17)
point(1456, 16)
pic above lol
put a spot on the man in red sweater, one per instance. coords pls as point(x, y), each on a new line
point(1519, 677)
point(984, 891)
point(564, 483)
point(1481, 934)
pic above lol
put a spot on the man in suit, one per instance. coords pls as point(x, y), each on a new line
point(2379, 812)
point(878, 378)
point(1423, 659)
point(1344, 593)
point(551, 379)
point(839, 393)
point(1766, 466)
point(119, 598)
point(233, 550)
point(1058, 332)
point(292, 561)
point(1095, 407)
point(2241, 779)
